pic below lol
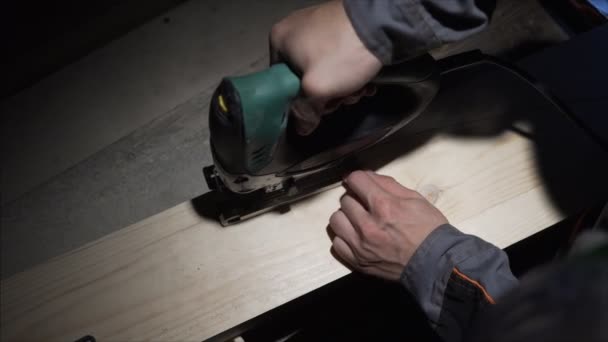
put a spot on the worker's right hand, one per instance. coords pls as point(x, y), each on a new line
point(380, 224)
point(335, 65)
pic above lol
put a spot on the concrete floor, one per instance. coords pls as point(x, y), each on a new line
point(122, 134)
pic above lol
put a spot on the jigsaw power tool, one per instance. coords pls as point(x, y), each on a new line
point(261, 163)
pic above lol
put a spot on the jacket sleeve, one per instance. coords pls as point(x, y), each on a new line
point(397, 30)
point(454, 276)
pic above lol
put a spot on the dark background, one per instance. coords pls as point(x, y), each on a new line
point(40, 37)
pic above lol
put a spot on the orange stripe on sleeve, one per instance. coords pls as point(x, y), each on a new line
point(476, 284)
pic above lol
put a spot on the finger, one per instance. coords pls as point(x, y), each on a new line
point(344, 251)
point(343, 228)
point(332, 105)
point(390, 185)
point(364, 187)
point(350, 100)
point(370, 90)
point(356, 214)
point(355, 97)
point(305, 116)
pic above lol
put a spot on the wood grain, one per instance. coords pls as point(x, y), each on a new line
point(178, 276)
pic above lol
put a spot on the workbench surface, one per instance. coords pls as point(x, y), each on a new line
point(179, 275)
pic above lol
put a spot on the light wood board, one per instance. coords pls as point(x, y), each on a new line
point(177, 276)
point(180, 276)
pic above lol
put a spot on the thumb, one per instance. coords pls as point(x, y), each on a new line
point(306, 115)
point(316, 95)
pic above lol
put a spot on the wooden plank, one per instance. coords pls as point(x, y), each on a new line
point(180, 276)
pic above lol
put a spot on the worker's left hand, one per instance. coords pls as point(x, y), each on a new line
point(380, 224)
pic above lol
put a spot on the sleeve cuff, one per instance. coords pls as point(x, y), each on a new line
point(427, 274)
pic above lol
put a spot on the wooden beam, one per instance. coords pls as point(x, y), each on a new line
point(180, 276)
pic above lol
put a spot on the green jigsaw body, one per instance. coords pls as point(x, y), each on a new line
point(265, 97)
